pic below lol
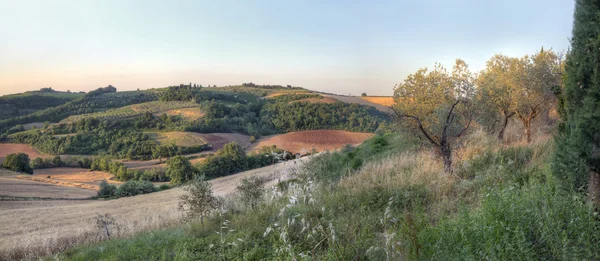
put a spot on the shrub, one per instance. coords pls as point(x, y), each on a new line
point(18, 162)
point(106, 190)
point(251, 190)
point(180, 170)
point(198, 201)
point(133, 188)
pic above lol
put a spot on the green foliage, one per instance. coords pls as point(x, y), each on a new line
point(198, 201)
point(106, 190)
point(134, 187)
point(578, 144)
point(180, 170)
point(537, 222)
point(86, 104)
point(17, 162)
point(251, 190)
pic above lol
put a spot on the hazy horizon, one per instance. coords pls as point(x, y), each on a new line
point(345, 47)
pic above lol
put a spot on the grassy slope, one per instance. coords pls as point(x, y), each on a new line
point(502, 204)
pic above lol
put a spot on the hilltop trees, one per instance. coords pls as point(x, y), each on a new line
point(436, 105)
point(578, 144)
point(17, 162)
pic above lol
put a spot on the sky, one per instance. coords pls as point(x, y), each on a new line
point(345, 47)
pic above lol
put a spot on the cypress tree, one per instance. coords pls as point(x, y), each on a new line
point(577, 159)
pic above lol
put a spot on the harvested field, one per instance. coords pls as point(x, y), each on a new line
point(358, 100)
point(321, 140)
point(42, 224)
point(14, 187)
point(76, 177)
point(8, 148)
point(187, 113)
point(381, 100)
point(179, 138)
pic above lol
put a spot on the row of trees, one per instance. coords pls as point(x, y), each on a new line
point(441, 105)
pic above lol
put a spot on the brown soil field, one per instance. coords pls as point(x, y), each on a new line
point(44, 223)
point(381, 100)
point(187, 113)
point(8, 148)
point(179, 138)
point(321, 140)
point(358, 100)
point(218, 140)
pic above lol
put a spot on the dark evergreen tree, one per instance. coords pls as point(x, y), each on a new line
point(577, 160)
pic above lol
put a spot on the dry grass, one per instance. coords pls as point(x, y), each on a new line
point(187, 113)
point(315, 100)
point(381, 100)
point(179, 138)
point(41, 228)
point(321, 140)
point(358, 100)
point(8, 148)
point(275, 94)
point(218, 140)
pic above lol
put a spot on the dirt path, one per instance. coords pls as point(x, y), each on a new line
point(31, 223)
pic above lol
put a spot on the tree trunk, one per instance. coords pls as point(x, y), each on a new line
point(447, 156)
point(528, 130)
point(594, 188)
point(503, 129)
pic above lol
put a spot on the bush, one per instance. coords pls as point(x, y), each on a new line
point(198, 201)
point(251, 190)
point(18, 162)
point(133, 188)
point(106, 190)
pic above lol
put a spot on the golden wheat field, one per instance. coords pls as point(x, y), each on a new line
point(381, 100)
point(305, 141)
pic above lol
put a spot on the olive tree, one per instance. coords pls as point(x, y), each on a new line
point(495, 86)
point(198, 201)
point(437, 105)
point(538, 75)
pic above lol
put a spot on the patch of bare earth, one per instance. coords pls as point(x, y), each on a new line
point(320, 140)
point(42, 224)
point(8, 148)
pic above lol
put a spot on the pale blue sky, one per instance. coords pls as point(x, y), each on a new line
point(335, 46)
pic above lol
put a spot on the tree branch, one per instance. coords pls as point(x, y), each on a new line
point(421, 128)
point(449, 119)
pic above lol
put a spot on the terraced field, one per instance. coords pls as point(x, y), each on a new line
point(155, 107)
